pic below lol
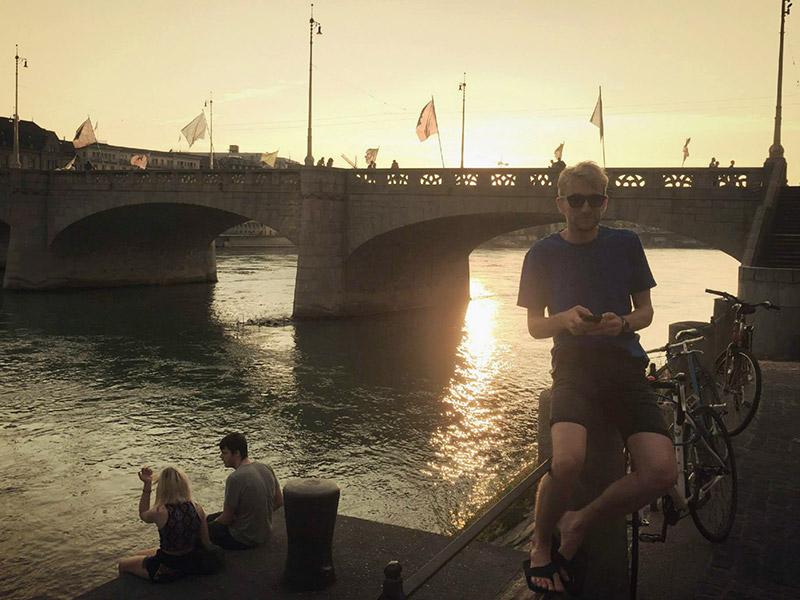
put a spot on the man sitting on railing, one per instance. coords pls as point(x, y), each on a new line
point(586, 277)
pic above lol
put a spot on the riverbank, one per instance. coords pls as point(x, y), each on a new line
point(759, 559)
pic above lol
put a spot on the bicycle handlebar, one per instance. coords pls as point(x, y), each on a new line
point(669, 347)
point(731, 298)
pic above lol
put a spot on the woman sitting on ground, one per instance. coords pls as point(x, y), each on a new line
point(181, 524)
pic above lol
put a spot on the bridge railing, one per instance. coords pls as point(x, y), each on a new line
point(182, 179)
point(725, 182)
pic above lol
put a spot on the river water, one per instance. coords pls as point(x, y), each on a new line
point(420, 418)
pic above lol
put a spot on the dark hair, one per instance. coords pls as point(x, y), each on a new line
point(234, 442)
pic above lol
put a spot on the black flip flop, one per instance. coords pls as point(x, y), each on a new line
point(547, 571)
point(575, 569)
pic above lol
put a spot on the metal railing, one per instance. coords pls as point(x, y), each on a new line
point(393, 587)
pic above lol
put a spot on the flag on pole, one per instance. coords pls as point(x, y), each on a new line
point(371, 156)
point(196, 130)
point(597, 115)
point(686, 150)
point(139, 160)
point(350, 162)
point(269, 158)
point(559, 151)
point(426, 124)
point(84, 135)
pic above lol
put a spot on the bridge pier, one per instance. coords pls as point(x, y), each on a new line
point(139, 245)
point(400, 270)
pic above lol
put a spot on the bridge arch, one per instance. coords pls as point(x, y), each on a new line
point(142, 244)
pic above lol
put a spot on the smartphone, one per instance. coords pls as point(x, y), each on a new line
point(592, 318)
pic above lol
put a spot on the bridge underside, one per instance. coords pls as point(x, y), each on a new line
point(416, 266)
point(146, 244)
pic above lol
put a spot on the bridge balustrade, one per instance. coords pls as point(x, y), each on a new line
point(739, 182)
point(282, 179)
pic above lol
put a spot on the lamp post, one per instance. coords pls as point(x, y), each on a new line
point(462, 87)
point(776, 150)
point(312, 25)
point(15, 164)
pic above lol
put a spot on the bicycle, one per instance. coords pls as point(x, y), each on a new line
point(737, 375)
point(682, 359)
point(707, 481)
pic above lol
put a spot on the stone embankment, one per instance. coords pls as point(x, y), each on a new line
point(759, 559)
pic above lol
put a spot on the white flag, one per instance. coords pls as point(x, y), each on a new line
point(196, 130)
point(559, 151)
point(426, 124)
point(597, 115)
point(269, 158)
point(350, 162)
point(371, 156)
point(139, 160)
point(85, 135)
point(686, 150)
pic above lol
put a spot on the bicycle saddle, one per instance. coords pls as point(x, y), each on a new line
point(683, 333)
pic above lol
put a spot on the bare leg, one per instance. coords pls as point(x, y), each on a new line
point(555, 490)
point(133, 564)
point(656, 472)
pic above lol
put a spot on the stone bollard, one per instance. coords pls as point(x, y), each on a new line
point(310, 507)
point(393, 582)
point(606, 545)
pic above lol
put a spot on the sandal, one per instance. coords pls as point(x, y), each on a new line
point(575, 570)
point(547, 571)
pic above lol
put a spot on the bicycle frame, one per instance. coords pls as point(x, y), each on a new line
point(679, 497)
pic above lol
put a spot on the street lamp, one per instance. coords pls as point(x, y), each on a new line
point(776, 150)
point(312, 26)
point(462, 87)
point(15, 164)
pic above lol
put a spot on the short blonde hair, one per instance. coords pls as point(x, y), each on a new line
point(173, 487)
point(588, 172)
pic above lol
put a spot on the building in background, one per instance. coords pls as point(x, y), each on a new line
point(106, 157)
point(38, 148)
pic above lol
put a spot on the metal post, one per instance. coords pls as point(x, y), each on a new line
point(776, 150)
point(15, 163)
point(309, 162)
point(211, 129)
point(463, 89)
point(393, 582)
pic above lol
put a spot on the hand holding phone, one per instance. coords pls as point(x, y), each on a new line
point(592, 318)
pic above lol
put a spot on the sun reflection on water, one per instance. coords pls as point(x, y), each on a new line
point(465, 449)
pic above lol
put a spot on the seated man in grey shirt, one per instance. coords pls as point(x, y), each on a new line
point(252, 494)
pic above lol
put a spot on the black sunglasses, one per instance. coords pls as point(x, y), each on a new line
point(594, 200)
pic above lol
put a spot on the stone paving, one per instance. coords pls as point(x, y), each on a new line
point(761, 557)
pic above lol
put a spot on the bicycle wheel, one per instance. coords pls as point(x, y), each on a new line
point(633, 541)
point(633, 550)
point(711, 467)
point(738, 384)
point(709, 394)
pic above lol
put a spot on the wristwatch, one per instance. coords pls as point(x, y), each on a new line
point(626, 327)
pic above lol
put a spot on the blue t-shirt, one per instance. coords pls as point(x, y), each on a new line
point(600, 275)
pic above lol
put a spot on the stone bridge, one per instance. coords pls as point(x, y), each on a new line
point(368, 240)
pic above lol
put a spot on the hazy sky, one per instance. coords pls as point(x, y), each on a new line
point(669, 70)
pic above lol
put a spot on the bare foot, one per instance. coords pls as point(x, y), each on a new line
point(572, 533)
point(540, 557)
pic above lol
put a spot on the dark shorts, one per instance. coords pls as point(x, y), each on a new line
point(164, 567)
point(221, 535)
point(611, 380)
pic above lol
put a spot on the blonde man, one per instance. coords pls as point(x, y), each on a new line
point(588, 288)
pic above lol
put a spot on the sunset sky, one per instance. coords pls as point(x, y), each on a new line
point(669, 70)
